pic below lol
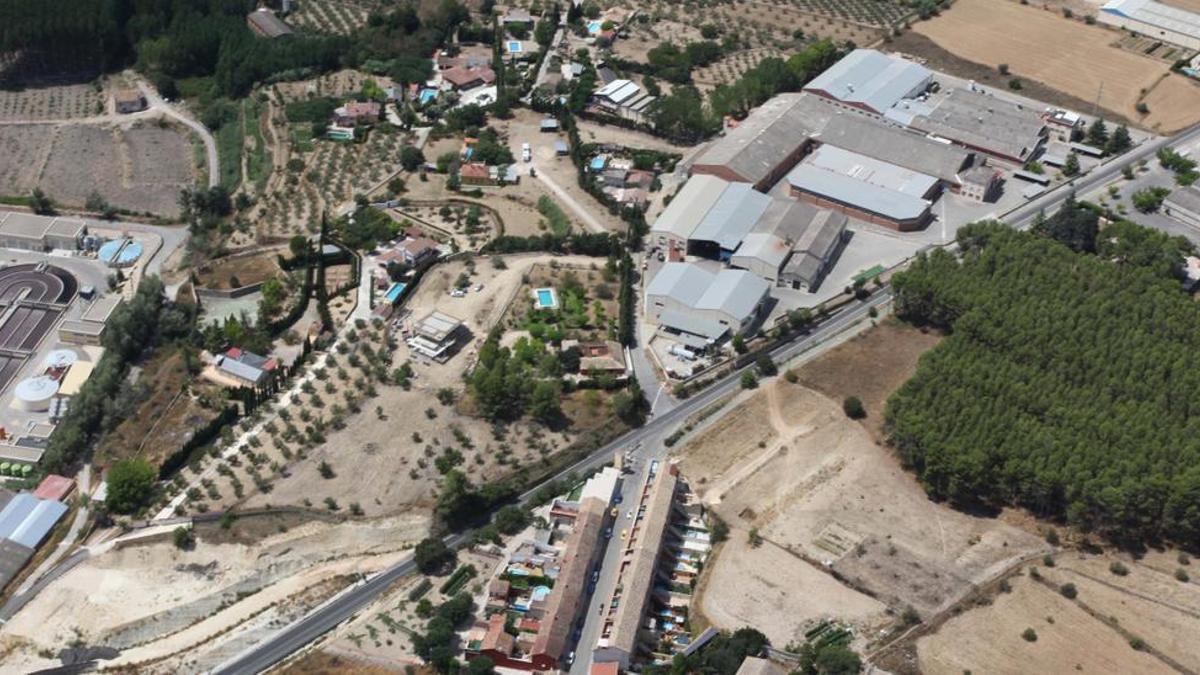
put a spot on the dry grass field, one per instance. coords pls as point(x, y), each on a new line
point(1066, 55)
point(826, 497)
point(988, 639)
point(140, 168)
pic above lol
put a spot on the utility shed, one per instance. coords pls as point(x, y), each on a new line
point(871, 81)
point(27, 520)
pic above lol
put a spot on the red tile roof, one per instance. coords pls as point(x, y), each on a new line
point(474, 170)
point(54, 487)
point(459, 76)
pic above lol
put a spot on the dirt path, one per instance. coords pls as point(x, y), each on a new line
point(582, 212)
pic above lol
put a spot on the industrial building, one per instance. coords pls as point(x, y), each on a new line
point(976, 120)
point(762, 148)
point(866, 189)
point(700, 307)
point(25, 522)
point(870, 81)
point(40, 233)
point(89, 328)
point(1155, 20)
point(729, 220)
point(674, 226)
point(794, 244)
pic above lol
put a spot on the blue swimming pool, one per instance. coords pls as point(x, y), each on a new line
point(597, 163)
point(594, 27)
point(545, 298)
point(427, 95)
point(395, 292)
point(514, 47)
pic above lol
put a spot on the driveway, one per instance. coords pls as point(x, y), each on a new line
point(563, 196)
point(210, 144)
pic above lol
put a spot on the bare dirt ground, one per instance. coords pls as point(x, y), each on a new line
point(1067, 55)
point(826, 497)
point(153, 600)
point(871, 365)
point(140, 168)
point(384, 458)
point(988, 639)
point(324, 662)
point(246, 270)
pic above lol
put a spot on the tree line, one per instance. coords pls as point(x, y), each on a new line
point(1069, 383)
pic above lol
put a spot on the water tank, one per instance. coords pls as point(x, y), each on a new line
point(61, 358)
point(34, 394)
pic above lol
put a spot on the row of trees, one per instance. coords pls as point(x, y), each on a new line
point(1068, 382)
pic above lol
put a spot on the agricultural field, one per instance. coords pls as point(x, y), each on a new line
point(732, 67)
point(53, 103)
point(1066, 55)
point(139, 168)
point(820, 494)
point(240, 270)
point(1088, 634)
point(338, 17)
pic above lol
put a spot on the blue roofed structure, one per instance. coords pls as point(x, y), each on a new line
point(26, 520)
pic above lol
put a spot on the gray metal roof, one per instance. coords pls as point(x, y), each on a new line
point(823, 235)
point(1156, 14)
point(1187, 199)
point(27, 520)
point(736, 293)
point(764, 247)
point(693, 324)
point(689, 206)
point(872, 79)
point(857, 193)
point(868, 170)
point(13, 557)
point(269, 24)
point(238, 369)
point(731, 216)
point(768, 136)
point(787, 218)
point(882, 141)
point(978, 120)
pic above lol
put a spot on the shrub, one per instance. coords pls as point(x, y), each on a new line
point(1029, 635)
point(1052, 537)
point(1118, 568)
point(184, 538)
point(326, 470)
point(749, 381)
point(1137, 643)
point(1182, 575)
point(1068, 591)
point(791, 376)
point(1048, 560)
point(853, 407)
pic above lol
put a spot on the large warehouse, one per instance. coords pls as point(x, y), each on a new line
point(1154, 19)
point(870, 81)
point(700, 306)
point(762, 148)
point(864, 188)
point(40, 233)
point(976, 120)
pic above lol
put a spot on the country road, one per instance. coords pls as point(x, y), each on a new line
point(210, 144)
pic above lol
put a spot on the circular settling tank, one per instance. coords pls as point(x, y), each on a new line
point(35, 393)
point(61, 358)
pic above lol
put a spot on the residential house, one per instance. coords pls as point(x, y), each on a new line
point(356, 113)
point(129, 101)
point(464, 79)
point(264, 23)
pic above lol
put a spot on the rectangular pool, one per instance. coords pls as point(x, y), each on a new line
point(545, 298)
point(395, 292)
point(514, 47)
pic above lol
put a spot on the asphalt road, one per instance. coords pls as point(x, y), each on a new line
point(342, 607)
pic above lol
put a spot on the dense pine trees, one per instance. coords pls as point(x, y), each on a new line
point(1069, 383)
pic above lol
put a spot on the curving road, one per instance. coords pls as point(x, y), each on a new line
point(156, 102)
point(342, 607)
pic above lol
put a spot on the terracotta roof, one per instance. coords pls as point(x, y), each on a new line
point(418, 245)
point(460, 76)
point(54, 487)
point(570, 588)
point(127, 96)
point(609, 668)
point(496, 639)
point(474, 170)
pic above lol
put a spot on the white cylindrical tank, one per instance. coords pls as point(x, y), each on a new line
point(61, 358)
point(34, 394)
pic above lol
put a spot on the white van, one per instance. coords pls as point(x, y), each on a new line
point(526, 153)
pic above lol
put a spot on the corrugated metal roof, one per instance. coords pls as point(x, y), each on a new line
point(980, 121)
point(696, 325)
point(868, 170)
point(240, 370)
point(891, 144)
point(683, 282)
point(618, 91)
point(768, 136)
point(732, 216)
point(27, 520)
point(857, 193)
point(872, 79)
point(689, 206)
point(735, 293)
point(763, 247)
point(1157, 14)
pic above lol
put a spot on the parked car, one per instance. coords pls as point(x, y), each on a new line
point(526, 152)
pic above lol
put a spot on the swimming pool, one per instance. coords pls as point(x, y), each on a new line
point(395, 292)
point(598, 162)
point(427, 95)
point(514, 47)
point(594, 27)
point(545, 298)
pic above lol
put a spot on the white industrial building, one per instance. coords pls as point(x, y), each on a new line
point(870, 81)
point(1154, 20)
point(699, 306)
point(40, 233)
point(623, 98)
